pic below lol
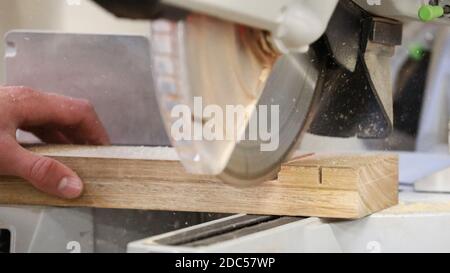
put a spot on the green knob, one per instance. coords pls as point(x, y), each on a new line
point(428, 13)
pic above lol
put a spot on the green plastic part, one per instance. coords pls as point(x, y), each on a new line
point(416, 51)
point(428, 13)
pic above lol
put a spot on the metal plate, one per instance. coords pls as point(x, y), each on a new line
point(112, 71)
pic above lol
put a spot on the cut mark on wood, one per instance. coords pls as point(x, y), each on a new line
point(320, 175)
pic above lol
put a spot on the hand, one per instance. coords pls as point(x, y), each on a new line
point(54, 119)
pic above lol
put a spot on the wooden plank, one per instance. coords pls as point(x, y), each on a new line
point(332, 186)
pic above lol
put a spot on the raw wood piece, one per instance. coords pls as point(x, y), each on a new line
point(332, 186)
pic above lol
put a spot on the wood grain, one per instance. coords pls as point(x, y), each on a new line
point(332, 186)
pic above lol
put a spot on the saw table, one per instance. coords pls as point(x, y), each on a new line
point(419, 224)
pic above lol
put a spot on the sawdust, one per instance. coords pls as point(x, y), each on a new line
point(115, 152)
point(419, 208)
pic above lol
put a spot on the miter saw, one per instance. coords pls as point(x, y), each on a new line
point(325, 63)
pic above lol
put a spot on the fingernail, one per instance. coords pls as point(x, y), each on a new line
point(70, 187)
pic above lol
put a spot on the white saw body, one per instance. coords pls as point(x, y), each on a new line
point(294, 25)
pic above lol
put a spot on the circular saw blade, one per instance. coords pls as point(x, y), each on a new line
point(292, 86)
point(207, 61)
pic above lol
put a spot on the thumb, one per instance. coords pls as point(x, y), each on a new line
point(46, 174)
